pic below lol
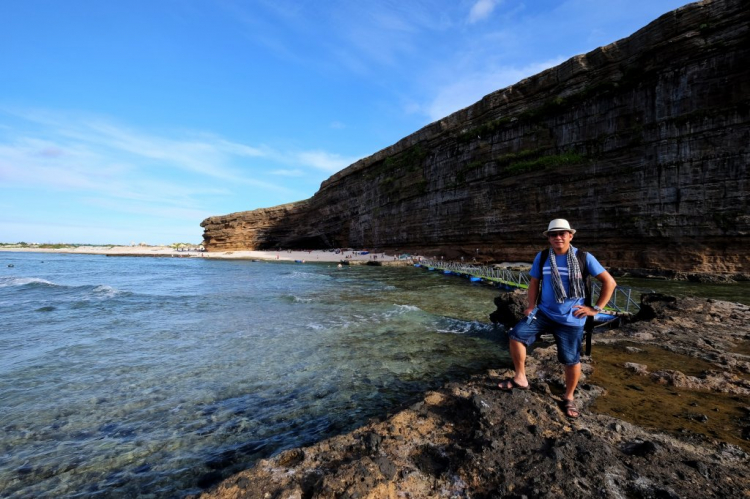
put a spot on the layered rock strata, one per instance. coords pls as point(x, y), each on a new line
point(641, 144)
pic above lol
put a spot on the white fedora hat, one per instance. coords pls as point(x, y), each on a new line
point(558, 224)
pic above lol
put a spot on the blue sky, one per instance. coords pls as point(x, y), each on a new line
point(132, 121)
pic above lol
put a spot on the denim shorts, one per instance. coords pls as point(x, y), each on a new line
point(567, 338)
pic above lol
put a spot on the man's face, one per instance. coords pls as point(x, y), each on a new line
point(560, 240)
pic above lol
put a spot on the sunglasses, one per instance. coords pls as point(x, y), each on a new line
point(553, 235)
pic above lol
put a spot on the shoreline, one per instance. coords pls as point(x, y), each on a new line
point(356, 257)
point(311, 256)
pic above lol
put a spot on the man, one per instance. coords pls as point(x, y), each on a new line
point(560, 311)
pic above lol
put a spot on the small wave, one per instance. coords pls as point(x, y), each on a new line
point(400, 310)
point(23, 281)
point(471, 328)
point(408, 308)
point(105, 291)
point(307, 275)
point(296, 299)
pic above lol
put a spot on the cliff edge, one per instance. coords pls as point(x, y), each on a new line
point(641, 144)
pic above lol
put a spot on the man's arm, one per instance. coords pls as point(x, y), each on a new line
point(533, 293)
point(608, 287)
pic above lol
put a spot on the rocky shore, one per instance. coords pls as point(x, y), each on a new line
point(471, 440)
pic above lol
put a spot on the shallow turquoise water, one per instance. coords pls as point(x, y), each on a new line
point(154, 377)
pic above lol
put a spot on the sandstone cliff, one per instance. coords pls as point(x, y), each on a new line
point(643, 145)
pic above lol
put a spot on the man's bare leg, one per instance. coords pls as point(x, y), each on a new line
point(572, 375)
point(518, 356)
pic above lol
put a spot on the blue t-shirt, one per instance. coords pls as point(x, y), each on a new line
point(561, 312)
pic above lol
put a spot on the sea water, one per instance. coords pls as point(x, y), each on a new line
point(156, 377)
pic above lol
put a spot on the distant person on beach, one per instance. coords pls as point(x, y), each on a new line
point(557, 307)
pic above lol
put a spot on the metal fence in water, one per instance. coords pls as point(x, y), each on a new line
point(623, 298)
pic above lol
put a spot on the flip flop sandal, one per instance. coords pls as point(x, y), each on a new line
point(569, 407)
point(507, 385)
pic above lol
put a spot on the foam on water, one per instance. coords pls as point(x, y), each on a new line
point(132, 377)
point(297, 299)
point(22, 281)
point(105, 291)
point(407, 308)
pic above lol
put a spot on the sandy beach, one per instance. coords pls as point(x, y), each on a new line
point(167, 251)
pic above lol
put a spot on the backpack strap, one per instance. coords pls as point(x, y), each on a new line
point(588, 327)
point(543, 256)
point(582, 264)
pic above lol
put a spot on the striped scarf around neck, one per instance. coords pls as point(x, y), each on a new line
point(575, 277)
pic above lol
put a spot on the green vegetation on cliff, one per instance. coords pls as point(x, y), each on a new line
point(543, 162)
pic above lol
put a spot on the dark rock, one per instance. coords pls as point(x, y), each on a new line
point(586, 432)
point(432, 460)
point(386, 467)
point(222, 460)
point(701, 467)
point(640, 449)
point(243, 483)
point(732, 451)
point(311, 483)
point(655, 306)
point(480, 405)
point(701, 418)
point(291, 458)
point(209, 479)
point(372, 442)
point(510, 307)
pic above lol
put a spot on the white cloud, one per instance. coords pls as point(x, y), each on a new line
point(481, 10)
point(89, 168)
point(85, 152)
point(288, 173)
point(153, 209)
point(471, 88)
point(324, 160)
point(94, 168)
point(358, 37)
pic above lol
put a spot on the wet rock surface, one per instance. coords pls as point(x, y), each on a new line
point(473, 440)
